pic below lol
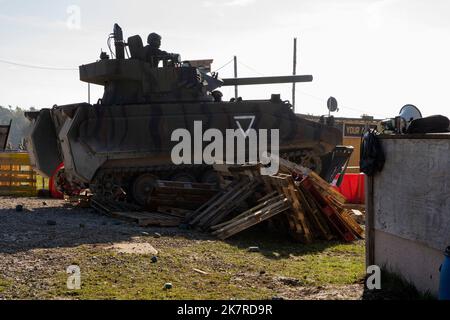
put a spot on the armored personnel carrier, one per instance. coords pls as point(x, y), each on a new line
point(123, 142)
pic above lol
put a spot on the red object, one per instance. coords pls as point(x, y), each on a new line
point(352, 187)
point(329, 211)
point(51, 184)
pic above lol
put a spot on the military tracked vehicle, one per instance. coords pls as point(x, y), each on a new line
point(123, 143)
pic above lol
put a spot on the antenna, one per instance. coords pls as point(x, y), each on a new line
point(236, 92)
point(294, 73)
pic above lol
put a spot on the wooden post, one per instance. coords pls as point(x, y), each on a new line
point(236, 92)
point(294, 73)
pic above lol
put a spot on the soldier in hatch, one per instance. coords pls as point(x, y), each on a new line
point(153, 54)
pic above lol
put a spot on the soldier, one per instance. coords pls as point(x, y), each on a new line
point(152, 52)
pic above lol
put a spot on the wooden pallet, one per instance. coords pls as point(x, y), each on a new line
point(254, 216)
point(320, 225)
point(144, 219)
point(329, 211)
point(16, 175)
point(223, 205)
point(182, 195)
point(311, 208)
point(319, 183)
point(298, 198)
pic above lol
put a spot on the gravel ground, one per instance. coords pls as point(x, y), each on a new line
point(37, 241)
point(33, 229)
point(41, 240)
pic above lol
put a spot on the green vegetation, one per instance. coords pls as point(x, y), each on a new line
point(395, 287)
point(232, 272)
point(19, 124)
point(3, 284)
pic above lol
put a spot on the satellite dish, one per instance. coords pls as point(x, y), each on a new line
point(332, 104)
point(410, 113)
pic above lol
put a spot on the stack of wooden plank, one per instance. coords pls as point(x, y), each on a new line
point(169, 203)
point(180, 195)
point(131, 213)
point(263, 211)
point(80, 201)
point(17, 177)
point(310, 207)
point(225, 203)
point(296, 198)
point(315, 211)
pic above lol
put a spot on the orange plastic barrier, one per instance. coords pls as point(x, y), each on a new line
point(352, 188)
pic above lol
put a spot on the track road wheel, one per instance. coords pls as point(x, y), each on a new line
point(183, 177)
point(211, 176)
point(142, 188)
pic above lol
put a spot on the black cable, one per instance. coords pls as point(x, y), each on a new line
point(341, 106)
point(26, 65)
point(250, 68)
point(308, 94)
point(224, 65)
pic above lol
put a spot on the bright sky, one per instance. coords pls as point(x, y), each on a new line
point(374, 56)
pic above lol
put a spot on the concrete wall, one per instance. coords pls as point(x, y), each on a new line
point(410, 208)
point(415, 262)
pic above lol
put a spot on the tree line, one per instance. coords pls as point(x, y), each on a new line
point(19, 127)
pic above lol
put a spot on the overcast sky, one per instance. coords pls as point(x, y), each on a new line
point(374, 56)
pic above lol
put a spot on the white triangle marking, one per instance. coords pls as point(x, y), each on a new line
point(252, 121)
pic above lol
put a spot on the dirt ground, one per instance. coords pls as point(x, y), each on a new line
point(117, 260)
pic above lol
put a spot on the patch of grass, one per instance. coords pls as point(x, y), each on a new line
point(314, 265)
point(120, 276)
point(395, 287)
point(232, 272)
point(4, 284)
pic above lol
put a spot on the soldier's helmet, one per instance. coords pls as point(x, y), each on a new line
point(154, 39)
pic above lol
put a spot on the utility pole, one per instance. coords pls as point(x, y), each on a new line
point(236, 92)
point(294, 72)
